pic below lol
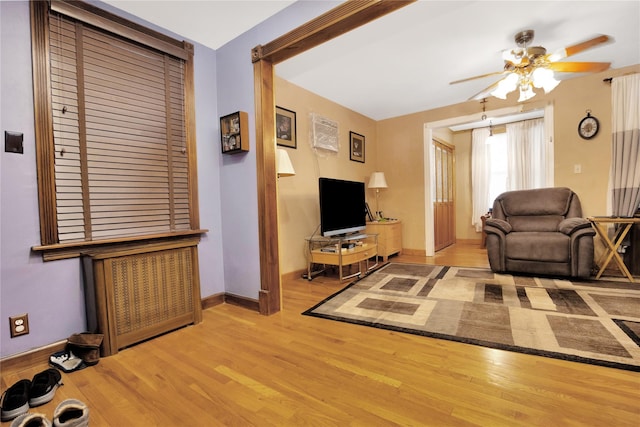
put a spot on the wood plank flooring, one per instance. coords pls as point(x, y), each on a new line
point(238, 368)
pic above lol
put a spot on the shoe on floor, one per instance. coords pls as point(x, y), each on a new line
point(31, 420)
point(15, 401)
point(66, 361)
point(86, 346)
point(71, 413)
point(43, 387)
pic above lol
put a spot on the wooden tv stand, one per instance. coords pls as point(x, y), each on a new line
point(340, 252)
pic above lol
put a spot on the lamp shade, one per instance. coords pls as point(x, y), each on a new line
point(377, 180)
point(283, 163)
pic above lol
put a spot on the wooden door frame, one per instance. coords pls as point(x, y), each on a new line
point(339, 20)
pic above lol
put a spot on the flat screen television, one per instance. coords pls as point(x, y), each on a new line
point(342, 207)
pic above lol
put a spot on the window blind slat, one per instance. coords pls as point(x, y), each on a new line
point(127, 209)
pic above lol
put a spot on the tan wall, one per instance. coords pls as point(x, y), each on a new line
point(395, 146)
point(298, 203)
point(464, 229)
point(401, 141)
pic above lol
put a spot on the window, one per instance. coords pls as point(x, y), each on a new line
point(112, 127)
point(498, 170)
point(516, 160)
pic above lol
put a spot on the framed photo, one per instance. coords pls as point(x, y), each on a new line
point(286, 128)
point(369, 215)
point(356, 144)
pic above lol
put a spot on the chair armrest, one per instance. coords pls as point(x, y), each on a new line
point(571, 225)
point(500, 224)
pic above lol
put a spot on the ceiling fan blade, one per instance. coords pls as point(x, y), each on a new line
point(579, 47)
point(478, 77)
point(579, 67)
point(484, 93)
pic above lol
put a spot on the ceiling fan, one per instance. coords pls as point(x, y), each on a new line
point(526, 67)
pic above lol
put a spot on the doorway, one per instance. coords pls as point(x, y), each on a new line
point(339, 20)
point(444, 231)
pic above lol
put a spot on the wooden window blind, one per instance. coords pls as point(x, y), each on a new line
point(118, 112)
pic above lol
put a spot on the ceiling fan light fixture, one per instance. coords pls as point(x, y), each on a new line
point(513, 55)
point(526, 93)
point(544, 78)
point(506, 86)
point(526, 67)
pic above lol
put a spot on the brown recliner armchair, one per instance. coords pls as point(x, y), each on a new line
point(541, 232)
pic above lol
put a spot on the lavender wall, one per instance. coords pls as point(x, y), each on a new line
point(51, 293)
point(229, 254)
point(238, 172)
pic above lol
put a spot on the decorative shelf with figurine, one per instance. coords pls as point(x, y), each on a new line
point(234, 133)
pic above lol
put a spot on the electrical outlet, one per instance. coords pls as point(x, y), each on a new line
point(19, 325)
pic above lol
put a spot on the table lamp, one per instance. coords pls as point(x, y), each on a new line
point(283, 164)
point(377, 181)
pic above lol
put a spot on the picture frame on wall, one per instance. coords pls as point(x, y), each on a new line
point(356, 145)
point(369, 214)
point(286, 128)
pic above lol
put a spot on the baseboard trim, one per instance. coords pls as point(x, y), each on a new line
point(241, 301)
point(40, 356)
point(469, 241)
point(414, 252)
point(212, 301)
point(31, 358)
point(293, 275)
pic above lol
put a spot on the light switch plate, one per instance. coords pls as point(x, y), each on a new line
point(13, 142)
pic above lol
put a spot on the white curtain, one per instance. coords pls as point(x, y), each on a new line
point(624, 178)
point(480, 173)
point(527, 155)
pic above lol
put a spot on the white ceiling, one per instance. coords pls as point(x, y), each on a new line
point(211, 23)
point(402, 63)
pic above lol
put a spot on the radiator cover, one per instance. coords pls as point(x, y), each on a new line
point(141, 291)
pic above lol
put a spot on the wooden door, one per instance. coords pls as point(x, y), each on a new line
point(444, 196)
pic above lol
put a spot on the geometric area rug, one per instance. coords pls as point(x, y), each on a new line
point(586, 321)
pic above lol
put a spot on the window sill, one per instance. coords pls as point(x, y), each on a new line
point(76, 249)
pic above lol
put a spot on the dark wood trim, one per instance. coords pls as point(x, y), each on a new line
point(212, 301)
point(169, 136)
point(245, 302)
point(44, 135)
point(190, 129)
point(76, 249)
point(82, 132)
point(29, 359)
point(269, 295)
point(339, 20)
point(45, 148)
point(115, 24)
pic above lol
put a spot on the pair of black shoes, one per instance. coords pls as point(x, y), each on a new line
point(30, 393)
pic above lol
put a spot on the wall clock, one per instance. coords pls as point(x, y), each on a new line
point(588, 127)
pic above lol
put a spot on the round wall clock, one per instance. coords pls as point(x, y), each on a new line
point(588, 127)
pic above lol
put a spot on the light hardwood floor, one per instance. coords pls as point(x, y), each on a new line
point(238, 368)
